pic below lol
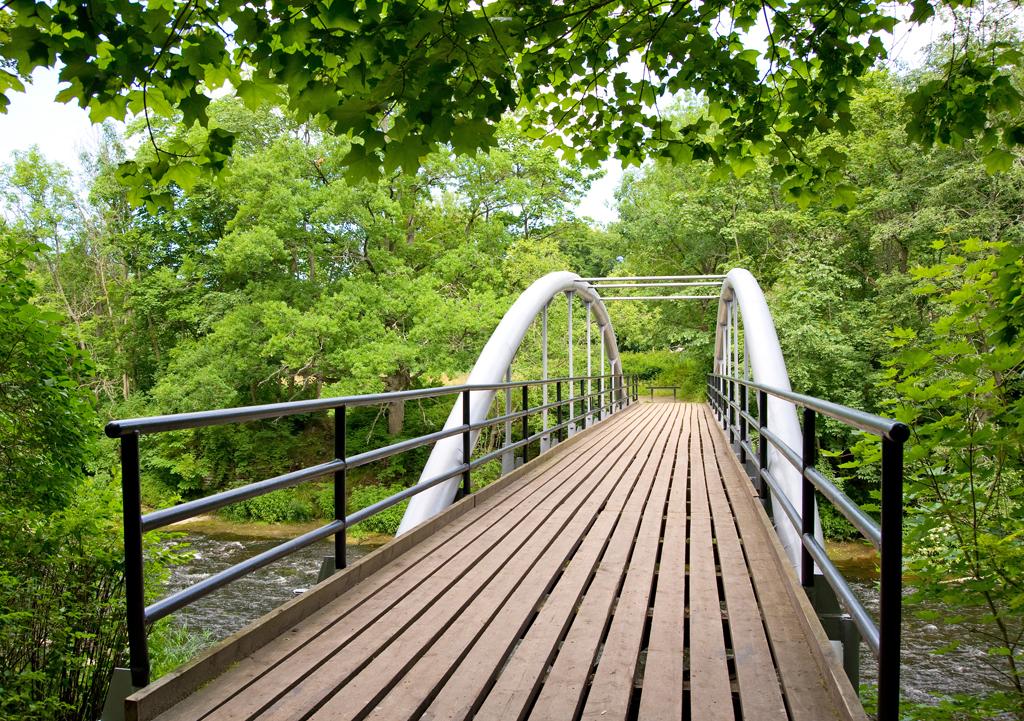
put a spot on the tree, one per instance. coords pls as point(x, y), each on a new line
point(957, 383)
point(60, 552)
point(404, 78)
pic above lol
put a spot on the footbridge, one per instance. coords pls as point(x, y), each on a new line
point(634, 560)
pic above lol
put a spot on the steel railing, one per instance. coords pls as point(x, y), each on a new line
point(729, 397)
point(614, 394)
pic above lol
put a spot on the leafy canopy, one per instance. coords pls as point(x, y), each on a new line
point(403, 77)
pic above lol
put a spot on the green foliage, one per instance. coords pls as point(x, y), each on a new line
point(669, 368)
point(275, 507)
point(45, 416)
point(957, 383)
point(172, 644)
point(61, 597)
point(61, 606)
point(348, 72)
point(387, 520)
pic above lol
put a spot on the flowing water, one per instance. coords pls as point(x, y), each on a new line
point(966, 669)
point(229, 609)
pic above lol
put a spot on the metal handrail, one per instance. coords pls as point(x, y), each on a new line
point(621, 392)
point(883, 638)
point(198, 419)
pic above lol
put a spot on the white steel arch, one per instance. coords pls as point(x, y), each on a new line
point(491, 367)
point(742, 305)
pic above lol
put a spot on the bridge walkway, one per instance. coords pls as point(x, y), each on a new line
point(628, 573)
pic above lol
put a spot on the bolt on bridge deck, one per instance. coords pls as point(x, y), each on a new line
point(629, 573)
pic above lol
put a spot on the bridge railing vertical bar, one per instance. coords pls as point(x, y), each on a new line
point(807, 497)
point(572, 371)
point(583, 405)
point(762, 444)
point(731, 419)
point(545, 441)
point(891, 586)
point(467, 445)
point(340, 487)
point(743, 426)
point(526, 422)
point(558, 411)
point(588, 421)
point(134, 582)
point(884, 638)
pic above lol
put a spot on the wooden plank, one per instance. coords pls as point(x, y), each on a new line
point(562, 692)
point(510, 596)
point(466, 682)
point(757, 680)
point(334, 658)
point(521, 677)
point(612, 686)
point(810, 693)
point(661, 697)
point(710, 692)
point(516, 490)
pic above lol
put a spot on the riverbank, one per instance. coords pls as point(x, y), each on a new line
point(214, 525)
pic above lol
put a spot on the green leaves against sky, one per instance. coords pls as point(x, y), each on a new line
point(403, 77)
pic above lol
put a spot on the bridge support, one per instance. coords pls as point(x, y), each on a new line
point(839, 627)
point(120, 689)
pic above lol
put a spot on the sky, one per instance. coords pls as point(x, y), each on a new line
point(63, 132)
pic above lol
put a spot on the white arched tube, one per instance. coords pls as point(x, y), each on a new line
point(494, 361)
point(743, 304)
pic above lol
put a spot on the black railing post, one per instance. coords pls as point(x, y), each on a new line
point(725, 407)
point(743, 424)
point(807, 499)
point(340, 483)
point(135, 598)
point(762, 444)
point(891, 586)
point(732, 414)
point(466, 449)
point(583, 403)
point(526, 422)
point(558, 410)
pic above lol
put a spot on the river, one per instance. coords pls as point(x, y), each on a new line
point(964, 670)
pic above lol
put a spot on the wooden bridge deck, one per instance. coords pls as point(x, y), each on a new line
point(629, 573)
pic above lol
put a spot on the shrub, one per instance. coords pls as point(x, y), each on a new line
point(281, 506)
point(386, 521)
point(668, 368)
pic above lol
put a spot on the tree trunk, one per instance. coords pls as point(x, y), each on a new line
point(396, 417)
point(399, 380)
